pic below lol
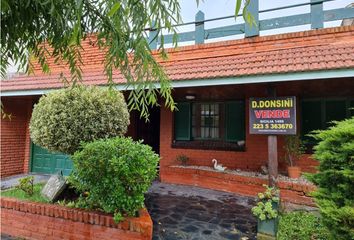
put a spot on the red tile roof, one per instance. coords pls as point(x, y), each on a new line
point(323, 49)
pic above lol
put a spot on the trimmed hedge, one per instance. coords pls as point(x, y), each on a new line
point(64, 118)
point(115, 173)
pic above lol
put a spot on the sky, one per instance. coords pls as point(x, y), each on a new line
point(221, 8)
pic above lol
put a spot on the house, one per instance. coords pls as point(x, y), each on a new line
point(213, 84)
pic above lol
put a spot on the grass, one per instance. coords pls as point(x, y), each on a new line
point(301, 225)
point(19, 194)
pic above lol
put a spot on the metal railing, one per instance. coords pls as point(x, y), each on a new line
point(316, 18)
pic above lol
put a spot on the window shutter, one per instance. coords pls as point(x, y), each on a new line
point(335, 111)
point(235, 121)
point(351, 108)
point(311, 116)
point(182, 121)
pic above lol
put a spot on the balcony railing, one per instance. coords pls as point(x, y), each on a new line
point(316, 18)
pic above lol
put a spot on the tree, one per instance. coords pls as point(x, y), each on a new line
point(119, 27)
point(335, 178)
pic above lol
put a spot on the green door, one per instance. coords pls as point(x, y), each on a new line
point(47, 162)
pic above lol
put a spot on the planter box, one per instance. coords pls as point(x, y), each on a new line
point(269, 226)
point(48, 221)
point(290, 192)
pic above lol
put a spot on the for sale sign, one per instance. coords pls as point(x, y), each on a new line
point(276, 115)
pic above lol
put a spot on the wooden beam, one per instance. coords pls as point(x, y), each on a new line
point(272, 148)
point(153, 36)
point(316, 14)
point(272, 160)
point(251, 30)
point(199, 27)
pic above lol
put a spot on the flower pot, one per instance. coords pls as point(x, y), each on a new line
point(294, 172)
point(268, 226)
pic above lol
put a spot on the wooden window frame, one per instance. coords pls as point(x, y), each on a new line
point(221, 143)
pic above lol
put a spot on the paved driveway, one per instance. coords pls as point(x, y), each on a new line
point(183, 212)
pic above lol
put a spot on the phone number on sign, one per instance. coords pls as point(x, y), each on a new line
point(272, 126)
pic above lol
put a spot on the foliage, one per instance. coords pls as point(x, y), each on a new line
point(64, 118)
point(270, 193)
point(267, 201)
point(20, 194)
point(294, 148)
point(335, 178)
point(301, 226)
point(182, 159)
point(265, 210)
point(79, 202)
point(26, 185)
point(116, 173)
point(55, 29)
point(4, 115)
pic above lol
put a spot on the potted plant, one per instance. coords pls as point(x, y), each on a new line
point(182, 160)
point(266, 211)
point(293, 149)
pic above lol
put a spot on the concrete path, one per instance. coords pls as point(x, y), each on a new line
point(13, 180)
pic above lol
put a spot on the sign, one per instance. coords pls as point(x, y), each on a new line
point(55, 185)
point(272, 116)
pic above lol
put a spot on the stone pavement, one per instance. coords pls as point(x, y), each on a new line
point(184, 212)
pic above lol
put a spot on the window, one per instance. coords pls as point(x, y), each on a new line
point(319, 113)
point(206, 121)
point(209, 124)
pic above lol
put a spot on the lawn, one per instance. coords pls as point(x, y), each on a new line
point(19, 194)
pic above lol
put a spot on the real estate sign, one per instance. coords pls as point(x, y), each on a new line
point(272, 116)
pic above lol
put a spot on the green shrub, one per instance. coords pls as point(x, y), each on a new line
point(26, 185)
point(335, 179)
point(267, 201)
point(64, 118)
point(301, 226)
point(116, 173)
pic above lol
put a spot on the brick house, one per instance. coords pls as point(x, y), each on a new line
point(212, 86)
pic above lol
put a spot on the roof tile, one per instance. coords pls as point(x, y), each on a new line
point(313, 50)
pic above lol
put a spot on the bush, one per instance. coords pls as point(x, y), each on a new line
point(26, 184)
point(267, 204)
point(301, 226)
point(116, 173)
point(335, 179)
point(64, 118)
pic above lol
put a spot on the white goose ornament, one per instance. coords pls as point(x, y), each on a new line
point(217, 166)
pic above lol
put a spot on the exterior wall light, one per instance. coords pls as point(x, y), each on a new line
point(190, 97)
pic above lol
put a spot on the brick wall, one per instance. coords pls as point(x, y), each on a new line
point(256, 152)
point(252, 158)
point(15, 141)
point(249, 186)
point(47, 221)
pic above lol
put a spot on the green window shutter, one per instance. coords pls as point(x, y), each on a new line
point(335, 111)
point(235, 121)
point(311, 116)
point(351, 108)
point(182, 122)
